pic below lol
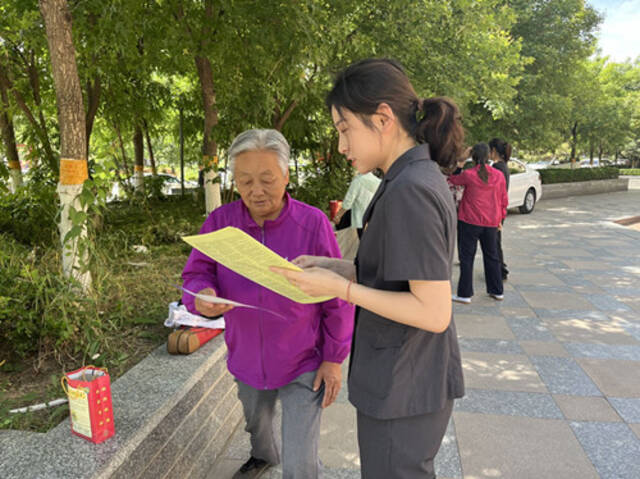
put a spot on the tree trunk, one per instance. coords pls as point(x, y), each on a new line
point(574, 142)
point(591, 148)
point(600, 152)
point(209, 147)
point(39, 126)
point(279, 118)
point(152, 160)
point(9, 139)
point(123, 152)
point(73, 146)
point(93, 99)
point(138, 148)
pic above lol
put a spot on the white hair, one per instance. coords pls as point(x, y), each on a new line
point(261, 139)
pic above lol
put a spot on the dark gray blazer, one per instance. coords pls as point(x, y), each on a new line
point(410, 226)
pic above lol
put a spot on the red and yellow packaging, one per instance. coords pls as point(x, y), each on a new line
point(89, 393)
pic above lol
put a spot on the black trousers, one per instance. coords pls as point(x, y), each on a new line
point(503, 266)
point(401, 448)
point(468, 237)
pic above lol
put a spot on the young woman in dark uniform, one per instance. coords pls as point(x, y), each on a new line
point(405, 365)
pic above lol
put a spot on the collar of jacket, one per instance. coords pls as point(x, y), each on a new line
point(417, 153)
point(249, 222)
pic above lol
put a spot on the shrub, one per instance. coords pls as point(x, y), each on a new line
point(630, 171)
point(38, 307)
point(561, 175)
point(29, 213)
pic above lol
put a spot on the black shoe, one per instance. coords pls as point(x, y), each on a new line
point(253, 468)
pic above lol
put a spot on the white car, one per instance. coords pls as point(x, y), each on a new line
point(525, 186)
point(170, 186)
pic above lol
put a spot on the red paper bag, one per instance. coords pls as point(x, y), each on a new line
point(89, 393)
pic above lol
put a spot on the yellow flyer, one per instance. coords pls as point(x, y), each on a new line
point(239, 252)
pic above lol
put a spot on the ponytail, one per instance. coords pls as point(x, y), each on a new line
point(480, 155)
point(441, 128)
point(502, 148)
point(363, 86)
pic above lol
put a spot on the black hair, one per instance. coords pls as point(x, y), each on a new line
point(502, 147)
point(480, 155)
point(363, 86)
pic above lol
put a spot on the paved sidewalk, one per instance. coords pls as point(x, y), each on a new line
point(552, 372)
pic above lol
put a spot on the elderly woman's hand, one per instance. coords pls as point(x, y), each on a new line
point(210, 309)
point(315, 281)
point(307, 261)
point(343, 267)
point(331, 375)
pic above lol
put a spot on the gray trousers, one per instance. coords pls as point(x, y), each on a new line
point(301, 411)
point(402, 448)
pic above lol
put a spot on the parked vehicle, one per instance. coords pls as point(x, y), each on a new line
point(525, 186)
point(170, 186)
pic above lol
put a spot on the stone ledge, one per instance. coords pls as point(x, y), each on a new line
point(167, 410)
point(592, 187)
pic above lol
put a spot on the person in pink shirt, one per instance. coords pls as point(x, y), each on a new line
point(481, 211)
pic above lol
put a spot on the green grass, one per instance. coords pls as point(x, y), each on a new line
point(52, 328)
point(630, 171)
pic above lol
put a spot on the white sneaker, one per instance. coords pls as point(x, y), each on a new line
point(497, 297)
point(460, 299)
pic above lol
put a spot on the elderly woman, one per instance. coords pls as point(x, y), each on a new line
point(297, 359)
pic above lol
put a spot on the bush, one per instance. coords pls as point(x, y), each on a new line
point(42, 313)
point(561, 175)
point(29, 213)
point(630, 171)
point(38, 307)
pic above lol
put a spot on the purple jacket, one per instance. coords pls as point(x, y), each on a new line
point(266, 351)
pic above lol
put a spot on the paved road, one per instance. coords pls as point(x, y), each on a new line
point(552, 373)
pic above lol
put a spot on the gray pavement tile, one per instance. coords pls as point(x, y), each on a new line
point(621, 291)
point(586, 408)
point(589, 331)
point(556, 301)
point(447, 461)
point(606, 303)
point(547, 313)
point(523, 288)
point(632, 328)
point(604, 351)
point(507, 372)
point(573, 279)
point(478, 326)
point(329, 473)
point(517, 313)
point(517, 447)
point(544, 348)
point(537, 276)
point(512, 403)
point(529, 329)
point(614, 377)
point(473, 308)
point(564, 376)
point(338, 445)
point(612, 447)
point(582, 265)
point(635, 428)
point(628, 408)
point(485, 345)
